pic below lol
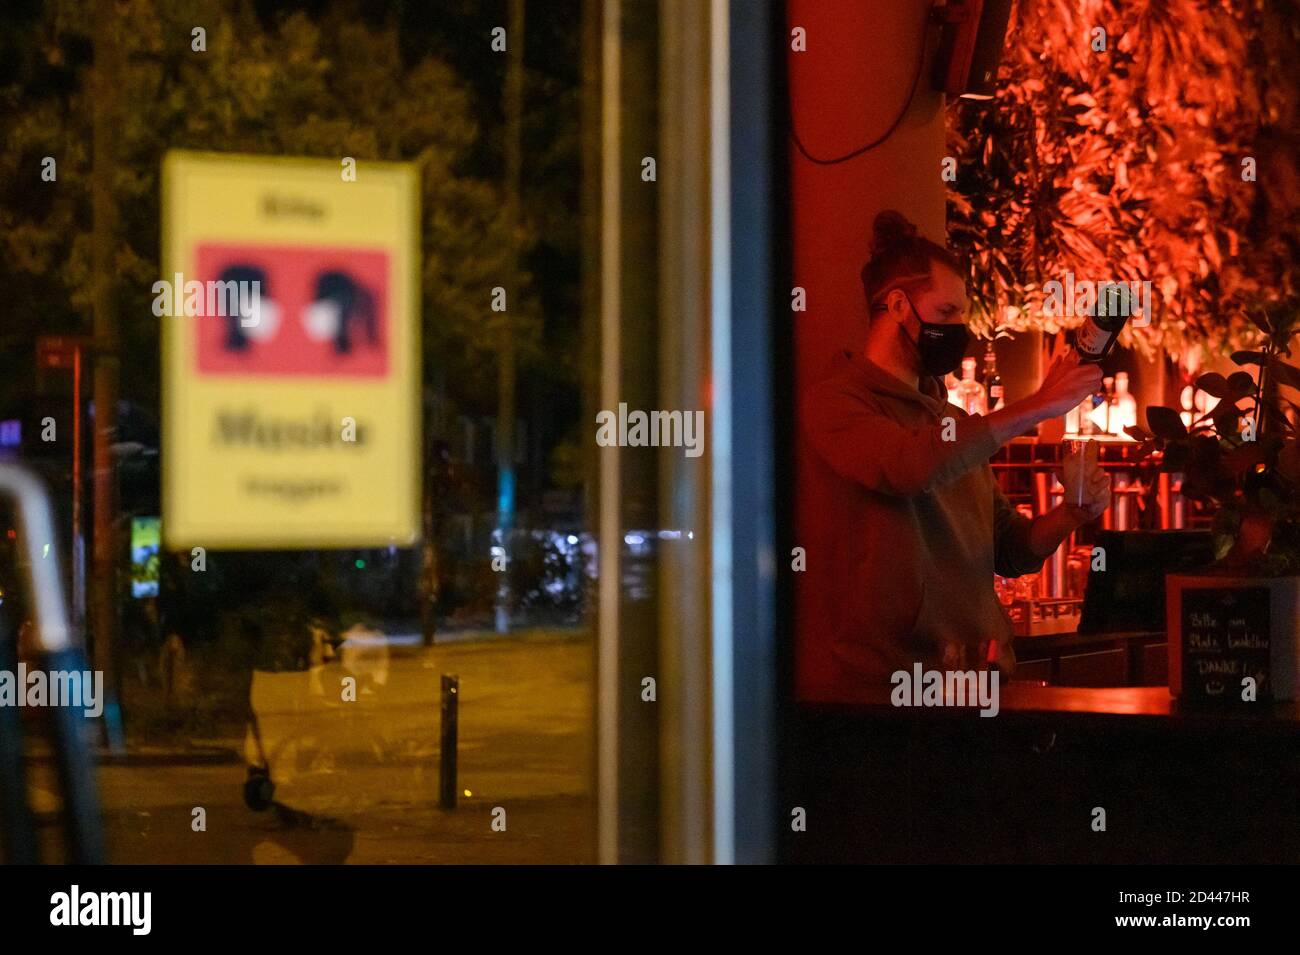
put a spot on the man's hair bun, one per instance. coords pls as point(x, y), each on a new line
point(900, 255)
point(891, 229)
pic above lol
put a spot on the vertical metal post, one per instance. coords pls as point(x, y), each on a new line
point(610, 523)
point(686, 252)
point(447, 754)
point(1059, 561)
point(748, 215)
point(507, 372)
point(103, 597)
point(1043, 504)
point(1120, 500)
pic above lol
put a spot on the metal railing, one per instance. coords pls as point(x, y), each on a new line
point(58, 652)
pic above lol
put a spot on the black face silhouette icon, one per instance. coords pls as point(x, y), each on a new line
point(257, 316)
point(341, 305)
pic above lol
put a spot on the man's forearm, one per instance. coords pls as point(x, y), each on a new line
point(1015, 419)
point(1049, 529)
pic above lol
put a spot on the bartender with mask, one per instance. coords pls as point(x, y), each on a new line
point(911, 523)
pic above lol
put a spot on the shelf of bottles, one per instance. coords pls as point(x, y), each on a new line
point(1141, 496)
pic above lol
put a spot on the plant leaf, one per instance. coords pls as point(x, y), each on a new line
point(1137, 433)
point(1165, 422)
point(1241, 384)
point(1213, 383)
point(1209, 415)
point(1225, 418)
point(1286, 374)
point(1248, 357)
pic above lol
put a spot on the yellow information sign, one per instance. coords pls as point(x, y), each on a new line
point(289, 306)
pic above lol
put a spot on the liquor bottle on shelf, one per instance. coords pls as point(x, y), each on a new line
point(992, 380)
point(1096, 408)
point(1112, 406)
point(1095, 338)
point(1101, 407)
point(1084, 413)
point(970, 393)
point(1072, 421)
point(1124, 413)
point(950, 382)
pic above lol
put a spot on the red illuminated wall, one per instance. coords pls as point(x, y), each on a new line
point(845, 90)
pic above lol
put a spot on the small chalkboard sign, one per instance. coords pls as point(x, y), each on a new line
point(1225, 634)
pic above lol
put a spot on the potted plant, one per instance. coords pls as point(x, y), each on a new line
point(1233, 628)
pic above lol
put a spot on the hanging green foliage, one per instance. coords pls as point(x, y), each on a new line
point(1150, 141)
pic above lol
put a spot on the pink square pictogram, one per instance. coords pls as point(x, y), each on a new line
point(321, 311)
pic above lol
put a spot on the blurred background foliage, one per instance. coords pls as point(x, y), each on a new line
point(368, 79)
point(372, 79)
point(1126, 164)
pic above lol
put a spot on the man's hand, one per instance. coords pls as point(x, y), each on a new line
point(1087, 494)
point(1087, 486)
point(1066, 384)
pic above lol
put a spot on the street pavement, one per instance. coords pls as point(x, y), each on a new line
point(357, 782)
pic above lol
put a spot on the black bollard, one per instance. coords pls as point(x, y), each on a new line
point(447, 761)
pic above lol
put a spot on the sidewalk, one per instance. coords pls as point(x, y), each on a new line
point(358, 781)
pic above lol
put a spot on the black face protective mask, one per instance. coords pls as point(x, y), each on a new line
point(941, 346)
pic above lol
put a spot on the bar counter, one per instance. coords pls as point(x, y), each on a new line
point(881, 783)
point(1118, 658)
point(1033, 701)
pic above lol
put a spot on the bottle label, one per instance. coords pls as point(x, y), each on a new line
point(1091, 339)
